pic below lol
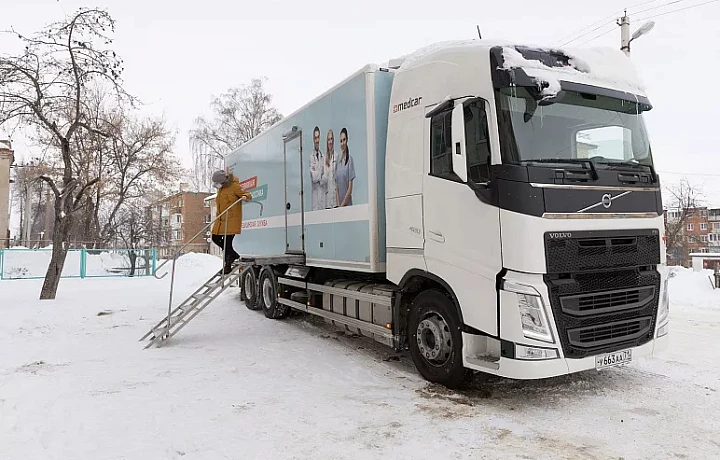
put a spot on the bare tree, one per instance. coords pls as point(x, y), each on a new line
point(238, 116)
point(685, 198)
point(133, 230)
point(140, 160)
point(46, 87)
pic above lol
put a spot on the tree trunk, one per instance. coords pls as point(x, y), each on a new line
point(59, 253)
point(133, 260)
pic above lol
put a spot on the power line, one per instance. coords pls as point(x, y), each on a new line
point(588, 33)
point(660, 6)
point(689, 174)
point(679, 9)
point(643, 3)
point(597, 36)
point(604, 21)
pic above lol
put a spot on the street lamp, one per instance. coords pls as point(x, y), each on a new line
point(643, 30)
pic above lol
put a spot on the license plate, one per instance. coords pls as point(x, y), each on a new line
point(617, 358)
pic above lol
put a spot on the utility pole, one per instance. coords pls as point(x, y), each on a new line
point(624, 23)
point(625, 37)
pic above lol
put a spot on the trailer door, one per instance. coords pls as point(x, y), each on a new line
point(294, 203)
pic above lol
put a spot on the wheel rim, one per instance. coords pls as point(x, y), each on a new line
point(434, 339)
point(267, 290)
point(249, 288)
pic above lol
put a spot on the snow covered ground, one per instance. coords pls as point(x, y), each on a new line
point(75, 383)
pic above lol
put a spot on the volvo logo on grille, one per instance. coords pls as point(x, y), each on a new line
point(561, 235)
point(606, 200)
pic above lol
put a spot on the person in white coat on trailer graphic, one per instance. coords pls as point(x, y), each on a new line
point(318, 175)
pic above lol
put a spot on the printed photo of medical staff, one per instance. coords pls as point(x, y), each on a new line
point(332, 175)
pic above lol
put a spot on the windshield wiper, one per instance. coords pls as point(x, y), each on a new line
point(572, 161)
point(629, 164)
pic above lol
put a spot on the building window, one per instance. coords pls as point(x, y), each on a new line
point(690, 227)
point(178, 218)
point(714, 237)
point(703, 226)
point(691, 239)
point(176, 235)
point(716, 226)
point(704, 238)
point(703, 213)
point(207, 218)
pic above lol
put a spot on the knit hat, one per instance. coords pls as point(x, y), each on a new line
point(219, 176)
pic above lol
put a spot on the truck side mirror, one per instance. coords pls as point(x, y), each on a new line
point(459, 154)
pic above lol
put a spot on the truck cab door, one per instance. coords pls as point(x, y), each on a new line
point(462, 233)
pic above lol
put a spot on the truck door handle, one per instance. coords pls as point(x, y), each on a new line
point(437, 236)
point(287, 206)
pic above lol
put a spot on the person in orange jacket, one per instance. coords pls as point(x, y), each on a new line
point(229, 191)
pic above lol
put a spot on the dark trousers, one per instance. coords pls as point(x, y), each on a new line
point(230, 254)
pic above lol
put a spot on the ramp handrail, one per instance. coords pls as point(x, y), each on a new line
point(179, 252)
point(204, 229)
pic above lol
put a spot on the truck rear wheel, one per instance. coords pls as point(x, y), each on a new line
point(269, 295)
point(248, 288)
point(436, 339)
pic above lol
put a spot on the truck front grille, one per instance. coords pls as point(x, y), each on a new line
point(606, 301)
point(633, 298)
point(604, 288)
point(596, 250)
point(606, 334)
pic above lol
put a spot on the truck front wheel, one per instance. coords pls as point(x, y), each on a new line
point(436, 339)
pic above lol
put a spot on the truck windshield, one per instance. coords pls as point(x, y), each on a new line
point(571, 126)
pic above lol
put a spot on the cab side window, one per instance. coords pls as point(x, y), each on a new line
point(477, 142)
point(441, 146)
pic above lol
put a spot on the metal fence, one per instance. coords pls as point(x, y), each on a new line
point(79, 263)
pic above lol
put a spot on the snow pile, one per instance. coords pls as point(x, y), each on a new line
point(21, 264)
point(24, 263)
point(693, 289)
point(605, 66)
point(193, 259)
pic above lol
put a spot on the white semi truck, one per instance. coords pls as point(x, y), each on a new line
point(489, 207)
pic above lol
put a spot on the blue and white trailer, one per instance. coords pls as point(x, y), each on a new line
point(489, 207)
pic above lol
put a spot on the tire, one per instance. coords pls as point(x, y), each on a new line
point(267, 293)
point(435, 340)
point(249, 288)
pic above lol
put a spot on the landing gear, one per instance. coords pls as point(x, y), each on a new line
point(436, 339)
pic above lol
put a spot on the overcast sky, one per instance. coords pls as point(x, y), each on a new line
point(178, 53)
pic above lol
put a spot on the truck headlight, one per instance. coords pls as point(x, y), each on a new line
point(664, 307)
point(533, 316)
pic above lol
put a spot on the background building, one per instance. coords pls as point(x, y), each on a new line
point(175, 219)
point(697, 230)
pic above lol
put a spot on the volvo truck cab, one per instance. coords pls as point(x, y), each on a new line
point(520, 185)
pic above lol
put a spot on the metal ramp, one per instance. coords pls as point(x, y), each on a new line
point(178, 317)
point(191, 307)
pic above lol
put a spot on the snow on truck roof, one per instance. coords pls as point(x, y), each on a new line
point(594, 66)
